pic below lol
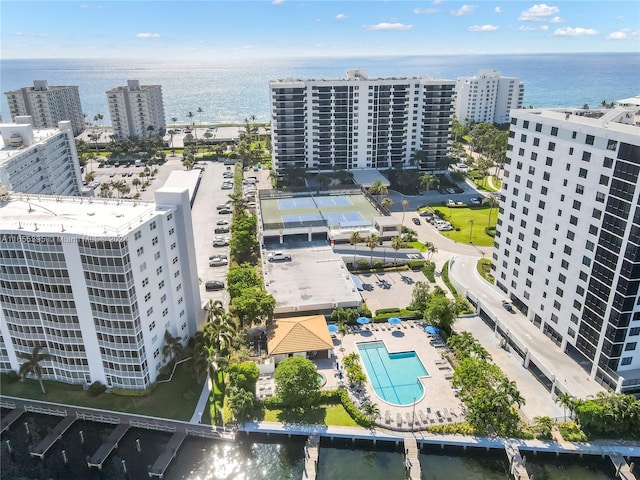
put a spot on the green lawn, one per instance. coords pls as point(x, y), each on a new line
point(418, 246)
point(328, 414)
point(460, 217)
point(176, 399)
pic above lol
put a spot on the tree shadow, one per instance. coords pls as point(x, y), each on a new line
point(407, 280)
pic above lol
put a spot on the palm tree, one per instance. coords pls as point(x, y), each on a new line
point(386, 203)
point(427, 180)
point(98, 119)
point(491, 202)
point(566, 401)
point(238, 202)
point(199, 111)
point(105, 190)
point(372, 242)
point(190, 116)
point(354, 239)
point(371, 410)
point(431, 249)
point(405, 204)
point(172, 346)
point(32, 364)
point(397, 243)
point(136, 183)
point(378, 188)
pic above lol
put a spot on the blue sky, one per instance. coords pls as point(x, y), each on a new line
point(215, 30)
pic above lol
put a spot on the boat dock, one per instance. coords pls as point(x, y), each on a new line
point(412, 460)
point(170, 450)
point(53, 437)
point(517, 469)
point(311, 453)
point(623, 470)
point(10, 419)
point(107, 447)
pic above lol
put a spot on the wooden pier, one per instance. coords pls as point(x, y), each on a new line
point(623, 470)
point(107, 447)
point(53, 437)
point(10, 419)
point(170, 451)
point(412, 460)
point(517, 470)
point(311, 453)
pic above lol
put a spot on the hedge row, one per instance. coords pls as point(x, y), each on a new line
point(403, 314)
point(429, 271)
point(416, 264)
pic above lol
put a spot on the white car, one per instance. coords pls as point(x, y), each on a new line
point(218, 262)
point(444, 227)
point(223, 222)
point(475, 201)
point(279, 257)
point(220, 241)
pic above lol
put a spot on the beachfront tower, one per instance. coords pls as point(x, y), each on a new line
point(567, 250)
point(136, 111)
point(47, 105)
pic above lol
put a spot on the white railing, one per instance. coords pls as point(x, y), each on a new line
point(152, 426)
point(45, 411)
point(97, 418)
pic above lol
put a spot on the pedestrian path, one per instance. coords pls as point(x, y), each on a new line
point(44, 446)
point(107, 446)
point(412, 460)
point(202, 401)
point(311, 454)
point(169, 453)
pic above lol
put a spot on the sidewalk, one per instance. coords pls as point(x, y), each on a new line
point(202, 401)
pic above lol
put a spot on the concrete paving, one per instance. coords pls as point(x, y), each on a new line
point(389, 289)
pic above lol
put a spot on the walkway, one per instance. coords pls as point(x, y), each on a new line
point(107, 446)
point(202, 401)
point(43, 447)
point(311, 457)
point(169, 453)
point(412, 460)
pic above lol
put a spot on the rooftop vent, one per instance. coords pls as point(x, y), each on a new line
point(15, 141)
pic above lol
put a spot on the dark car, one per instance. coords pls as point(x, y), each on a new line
point(222, 230)
point(416, 220)
point(507, 306)
point(213, 285)
point(225, 211)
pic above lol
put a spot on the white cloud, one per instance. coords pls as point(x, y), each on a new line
point(557, 20)
point(538, 13)
point(463, 10)
point(148, 35)
point(527, 28)
point(619, 18)
point(482, 28)
point(624, 34)
point(32, 34)
point(84, 5)
point(341, 16)
point(497, 10)
point(277, 2)
point(389, 26)
point(574, 32)
point(436, 2)
point(425, 11)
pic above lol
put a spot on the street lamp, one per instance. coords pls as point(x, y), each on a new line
point(471, 230)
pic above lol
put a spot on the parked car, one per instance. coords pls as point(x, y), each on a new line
point(213, 285)
point(416, 220)
point(218, 255)
point(112, 174)
point(225, 211)
point(475, 201)
point(218, 262)
point(227, 174)
point(451, 190)
point(507, 306)
point(220, 241)
point(426, 214)
point(221, 230)
point(279, 257)
point(222, 206)
point(226, 186)
point(222, 222)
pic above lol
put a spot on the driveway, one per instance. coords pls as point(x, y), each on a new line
point(389, 289)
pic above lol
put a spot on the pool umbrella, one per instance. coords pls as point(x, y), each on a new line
point(362, 320)
point(431, 329)
point(394, 321)
point(333, 328)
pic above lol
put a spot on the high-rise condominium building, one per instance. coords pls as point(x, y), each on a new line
point(360, 122)
point(136, 110)
point(567, 250)
point(96, 283)
point(487, 97)
point(39, 161)
point(47, 105)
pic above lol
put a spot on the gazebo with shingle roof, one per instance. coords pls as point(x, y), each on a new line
point(286, 336)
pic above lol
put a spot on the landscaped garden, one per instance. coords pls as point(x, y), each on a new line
point(470, 223)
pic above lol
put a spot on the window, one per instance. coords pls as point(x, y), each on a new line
point(583, 276)
point(145, 282)
point(147, 297)
point(573, 220)
point(626, 361)
point(546, 176)
point(634, 331)
point(570, 150)
point(577, 305)
point(161, 285)
point(159, 270)
point(562, 278)
point(608, 162)
point(149, 311)
point(529, 184)
point(590, 245)
point(527, 197)
point(534, 245)
point(140, 251)
point(579, 290)
point(534, 156)
point(564, 264)
point(173, 245)
point(549, 161)
point(152, 325)
point(593, 230)
point(554, 131)
point(556, 305)
point(544, 190)
point(576, 205)
point(539, 218)
point(137, 235)
point(567, 249)
point(525, 124)
point(536, 232)
point(523, 138)
point(172, 231)
point(163, 298)
point(600, 197)
point(630, 346)
point(532, 170)
point(612, 145)
point(156, 256)
point(165, 312)
point(586, 156)
point(589, 140)
point(169, 217)
point(571, 235)
point(521, 152)
point(582, 173)
point(604, 180)
point(597, 213)
point(586, 261)
point(154, 241)
point(152, 226)
point(175, 260)
point(538, 127)
point(536, 142)
point(552, 146)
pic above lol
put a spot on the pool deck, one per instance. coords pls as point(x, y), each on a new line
point(439, 404)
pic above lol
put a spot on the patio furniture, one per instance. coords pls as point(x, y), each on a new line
point(422, 417)
point(387, 417)
point(448, 376)
point(399, 419)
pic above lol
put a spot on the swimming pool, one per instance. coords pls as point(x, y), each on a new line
point(394, 376)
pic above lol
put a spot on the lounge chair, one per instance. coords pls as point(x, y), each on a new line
point(422, 417)
point(387, 417)
point(440, 416)
point(430, 417)
point(448, 376)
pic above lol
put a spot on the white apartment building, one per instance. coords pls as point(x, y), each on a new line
point(359, 122)
point(136, 110)
point(47, 105)
point(487, 97)
point(96, 283)
point(567, 250)
point(43, 162)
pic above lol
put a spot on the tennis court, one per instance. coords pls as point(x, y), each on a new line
point(313, 202)
point(336, 218)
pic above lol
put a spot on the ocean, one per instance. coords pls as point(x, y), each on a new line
point(229, 92)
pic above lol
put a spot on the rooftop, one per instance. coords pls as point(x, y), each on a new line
point(7, 151)
point(184, 179)
point(44, 214)
point(298, 334)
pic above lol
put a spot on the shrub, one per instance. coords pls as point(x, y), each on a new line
point(363, 264)
point(453, 428)
point(12, 376)
point(445, 279)
point(571, 432)
point(387, 310)
point(404, 314)
point(429, 271)
point(359, 417)
point(96, 388)
point(416, 264)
